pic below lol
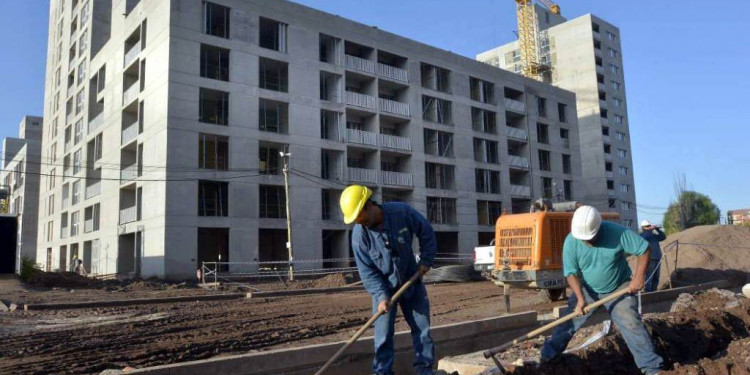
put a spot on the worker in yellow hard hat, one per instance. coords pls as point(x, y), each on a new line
point(381, 241)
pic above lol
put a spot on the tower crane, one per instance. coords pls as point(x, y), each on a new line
point(529, 37)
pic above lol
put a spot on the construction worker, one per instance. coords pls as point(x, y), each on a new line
point(595, 266)
point(653, 235)
point(381, 241)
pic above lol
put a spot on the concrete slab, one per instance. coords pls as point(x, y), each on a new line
point(130, 302)
point(299, 292)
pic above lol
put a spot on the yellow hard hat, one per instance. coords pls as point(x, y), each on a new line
point(353, 199)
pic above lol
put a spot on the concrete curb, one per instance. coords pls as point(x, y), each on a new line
point(300, 292)
point(129, 302)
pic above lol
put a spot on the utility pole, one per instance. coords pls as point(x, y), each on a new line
point(285, 155)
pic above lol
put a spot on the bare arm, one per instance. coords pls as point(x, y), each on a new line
point(639, 279)
point(575, 284)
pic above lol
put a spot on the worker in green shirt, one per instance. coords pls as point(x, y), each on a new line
point(595, 265)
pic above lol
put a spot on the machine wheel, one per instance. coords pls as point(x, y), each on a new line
point(550, 295)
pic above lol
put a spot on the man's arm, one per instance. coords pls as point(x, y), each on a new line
point(639, 279)
point(372, 278)
point(575, 284)
point(427, 242)
point(660, 236)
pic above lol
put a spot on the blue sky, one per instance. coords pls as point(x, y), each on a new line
point(685, 67)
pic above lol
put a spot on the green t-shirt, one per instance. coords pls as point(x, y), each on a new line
point(603, 267)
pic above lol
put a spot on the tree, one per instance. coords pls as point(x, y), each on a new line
point(691, 209)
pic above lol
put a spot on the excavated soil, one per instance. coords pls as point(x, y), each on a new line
point(92, 340)
point(706, 334)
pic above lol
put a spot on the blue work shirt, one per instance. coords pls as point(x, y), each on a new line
point(653, 240)
point(383, 270)
point(603, 267)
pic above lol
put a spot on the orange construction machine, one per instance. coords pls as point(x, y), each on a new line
point(528, 251)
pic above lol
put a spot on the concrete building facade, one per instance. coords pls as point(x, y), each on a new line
point(178, 111)
point(19, 180)
point(738, 217)
point(586, 58)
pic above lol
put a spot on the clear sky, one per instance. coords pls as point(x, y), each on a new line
point(686, 72)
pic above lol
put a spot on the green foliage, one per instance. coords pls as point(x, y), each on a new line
point(28, 268)
point(690, 210)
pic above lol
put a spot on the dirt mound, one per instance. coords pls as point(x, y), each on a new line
point(331, 281)
point(709, 332)
point(706, 253)
point(61, 280)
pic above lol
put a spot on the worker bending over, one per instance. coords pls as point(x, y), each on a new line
point(595, 266)
point(381, 241)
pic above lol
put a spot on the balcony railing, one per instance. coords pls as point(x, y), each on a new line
point(64, 231)
point(128, 174)
point(93, 189)
point(360, 100)
point(68, 145)
point(602, 103)
point(607, 156)
point(516, 133)
point(393, 73)
point(518, 161)
point(131, 55)
point(611, 193)
point(95, 123)
point(358, 63)
point(128, 134)
point(131, 93)
point(71, 89)
point(566, 142)
point(520, 191)
point(392, 106)
point(65, 203)
point(128, 215)
point(363, 175)
point(396, 178)
point(606, 138)
point(610, 174)
point(361, 137)
point(395, 142)
point(88, 226)
point(604, 121)
point(515, 105)
point(602, 87)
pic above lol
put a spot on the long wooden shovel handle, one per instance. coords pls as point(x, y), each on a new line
point(370, 322)
point(490, 352)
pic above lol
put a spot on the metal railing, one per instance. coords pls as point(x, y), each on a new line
point(131, 55)
point(360, 100)
point(361, 137)
point(605, 138)
point(131, 93)
point(602, 86)
point(520, 190)
point(518, 161)
point(393, 73)
point(93, 189)
point(358, 63)
point(394, 142)
point(128, 174)
point(88, 226)
point(602, 103)
point(95, 123)
point(64, 231)
point(128, 134)
point(70, 91)
point(396, 178)
point(607, 156)
point(515, 105)
point(605, 121)
point(128, 215)
point(392, 106)
point(609, 174)
point(516, 133)
point(362, 175)
point(611, 193)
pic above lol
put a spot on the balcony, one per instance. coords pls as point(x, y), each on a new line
point(361, 137)
point(360, 100)
point(391, 72)
point(609, 174)
point(515, 105)
point(566, 142)
point(131, 93)
point(95, 123)
point(602, 103)
point(394, 142)
point(68, 145)
point(396, 178)
point(130, 133)
point(93, 190)
point(394, 107)
point(64, 232)
point(606, 138)
point(128, 174)
point(65, 203)
point(516, 133)
point(520, 191)
point(360, 64)
point(605, 121)
point(128, 215)
point(69, 117)
point(88, 226)
point(607, 156)
point(71, 90)
point(611, 193)
point(602, 87)
point(600, 69)
point(368, 176)
point(518, 161)
point(131, 55)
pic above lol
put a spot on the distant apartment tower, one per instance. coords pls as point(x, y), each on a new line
point(19, 183)
point(586, 57)
point(168, 118)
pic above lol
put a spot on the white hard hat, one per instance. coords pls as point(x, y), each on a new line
point(645, 223)
point(586, 223)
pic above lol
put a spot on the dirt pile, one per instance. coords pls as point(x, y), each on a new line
point(704, 334)
point(706, 253)
point(61, 280)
